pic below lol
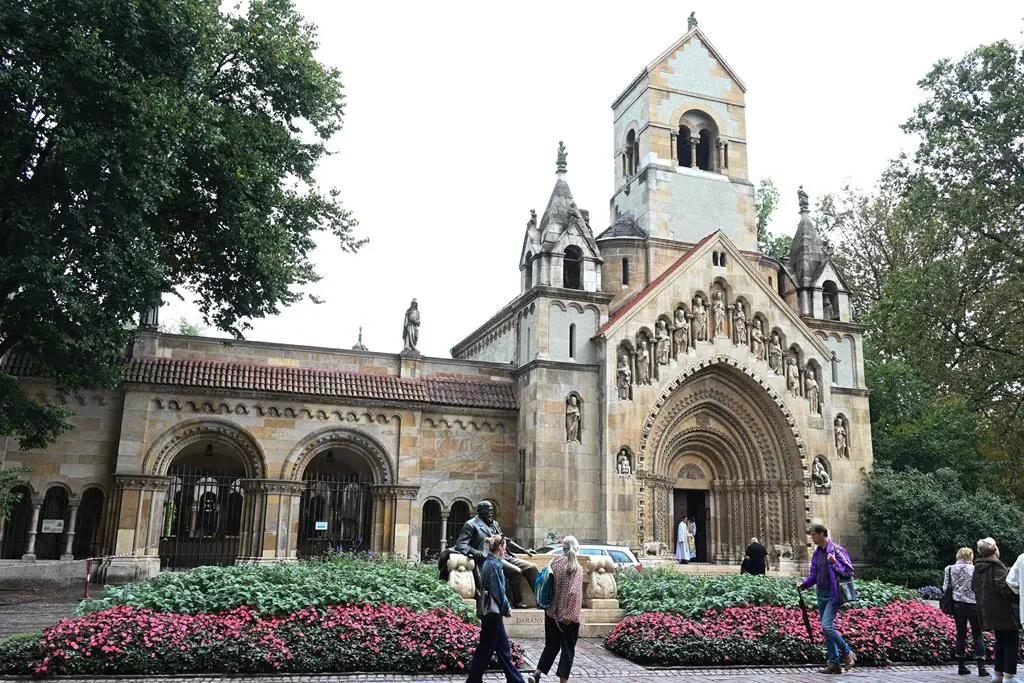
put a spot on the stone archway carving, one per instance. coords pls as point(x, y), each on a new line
point(742, 427)
point(364, 444)
point(163, 451)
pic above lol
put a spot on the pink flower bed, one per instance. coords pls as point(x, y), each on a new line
point(905, 631)
point(128, 640)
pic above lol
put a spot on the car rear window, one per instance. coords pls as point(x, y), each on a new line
point(620, 557)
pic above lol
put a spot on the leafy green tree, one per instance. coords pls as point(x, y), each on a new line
point(9, 479)
point(766, 200)
point(183, 326)
point(151, 147)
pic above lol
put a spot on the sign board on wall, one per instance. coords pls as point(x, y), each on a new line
point(321, 526)
point(53, 526)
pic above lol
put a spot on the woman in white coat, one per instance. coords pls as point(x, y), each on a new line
point(1014, 578)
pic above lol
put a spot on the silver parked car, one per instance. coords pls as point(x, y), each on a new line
point(621, 555)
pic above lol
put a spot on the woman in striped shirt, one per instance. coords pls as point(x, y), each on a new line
point(562, 616)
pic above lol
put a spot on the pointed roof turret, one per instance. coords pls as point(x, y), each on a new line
point(807, 255)
point(359, 344)
point(561, 212)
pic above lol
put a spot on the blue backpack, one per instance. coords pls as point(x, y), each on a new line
point(544, 587)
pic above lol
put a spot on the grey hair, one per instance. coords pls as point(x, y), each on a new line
point(987, 547)
point(571, 548)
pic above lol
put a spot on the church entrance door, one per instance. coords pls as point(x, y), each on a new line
point(693, 503)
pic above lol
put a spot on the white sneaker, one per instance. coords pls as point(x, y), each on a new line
point(997, 677)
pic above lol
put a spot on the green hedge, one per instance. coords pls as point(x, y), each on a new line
point(911, 578)
point(283, 588)
point(665, 590)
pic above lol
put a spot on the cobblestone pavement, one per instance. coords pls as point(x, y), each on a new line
point(593, 663)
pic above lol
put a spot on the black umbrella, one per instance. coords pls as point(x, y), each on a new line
point(807, 618)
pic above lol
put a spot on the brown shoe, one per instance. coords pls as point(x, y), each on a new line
point(849, 660)
point(831, 669)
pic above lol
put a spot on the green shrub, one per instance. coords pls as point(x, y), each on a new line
point(16, 653)
point(283, 588)
point(911, 578)
point(665, 590)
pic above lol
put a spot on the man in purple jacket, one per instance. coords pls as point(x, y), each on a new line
point(829, 562)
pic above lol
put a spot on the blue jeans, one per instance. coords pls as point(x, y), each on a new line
point(835, 646)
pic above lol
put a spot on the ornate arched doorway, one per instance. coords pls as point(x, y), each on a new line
point(335, 510)
point(202, 514)
point(721, 446)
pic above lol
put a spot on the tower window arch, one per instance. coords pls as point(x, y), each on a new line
point(631, 155)
point(529, 270)
point(706, 151)
point(572, 268)
point(683, 146)
point(830, 300)
point(625, 271)
point(572, 340)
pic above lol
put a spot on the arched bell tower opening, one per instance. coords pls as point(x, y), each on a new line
point(720, 449)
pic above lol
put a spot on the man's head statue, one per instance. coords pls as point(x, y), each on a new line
point(485, 510)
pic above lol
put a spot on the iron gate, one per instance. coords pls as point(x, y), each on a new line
point(334, 515)
point(202, 519)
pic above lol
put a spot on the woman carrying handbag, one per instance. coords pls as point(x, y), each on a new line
point(959, 602)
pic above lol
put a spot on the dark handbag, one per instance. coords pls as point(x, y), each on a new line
point(847, 591)
point(483, 597)
point(946, 600)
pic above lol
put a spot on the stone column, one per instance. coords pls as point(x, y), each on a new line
point(69, 535)
point(30, 551)
point(254, 516)
point(406, 541)
point(384, 509)
point(694, 141)
point(137, 527)
point(719, 161)
point(277, 538)
point(444, 531)
point(673, 138)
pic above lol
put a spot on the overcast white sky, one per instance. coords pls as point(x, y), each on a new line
point(455, 110)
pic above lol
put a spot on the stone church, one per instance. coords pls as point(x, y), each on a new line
point(660, 367)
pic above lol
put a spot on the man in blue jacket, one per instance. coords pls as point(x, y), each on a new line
point(829, 563)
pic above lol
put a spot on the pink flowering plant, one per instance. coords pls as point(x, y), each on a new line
point(130, 640)
point(904, 631)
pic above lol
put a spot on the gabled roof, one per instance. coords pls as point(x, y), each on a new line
point(807, 255)
point(700, 249)
point(692, 33)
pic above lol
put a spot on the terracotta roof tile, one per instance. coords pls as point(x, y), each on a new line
point(467, 393)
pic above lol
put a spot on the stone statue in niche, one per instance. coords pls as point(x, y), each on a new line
point(718, 313)
point(662, 343)
point(622, 467)
point(700, 319)
point(572, 419)
point(842, 445)
point(739, 324)
point(775, 354)
point(643, 363)
point(681, 332)
point(820, 475)
point(793, 377)
point(812, 391)
point(411, 328)
point(624, 377)
point(757, 339)
point(826, 304)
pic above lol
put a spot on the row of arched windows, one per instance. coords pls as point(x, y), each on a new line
point(59, 517)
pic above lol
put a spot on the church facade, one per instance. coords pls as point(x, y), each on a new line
point(659, 368)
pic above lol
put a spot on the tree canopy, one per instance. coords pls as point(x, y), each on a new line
point(151, 147)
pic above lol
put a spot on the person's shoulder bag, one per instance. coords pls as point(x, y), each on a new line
point(483, 596)
point(946, 600)
point(847, 588)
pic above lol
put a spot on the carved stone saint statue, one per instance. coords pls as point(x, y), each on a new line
point(793, 377)
point(700, 319)
point(691, 21)
point(624, 377)
point(572, 420)
point(739, 324)
point(775, 354)
point(842, 447)
point(801, 196)
point(812, 391)
point(411, 328)
point(820, 475)
point(826, 305)
point(663, 343)
point(643, 363)
point(622, 466)
point(718, 313)
point(532, 223)
point(757, 339)
point(681, 333)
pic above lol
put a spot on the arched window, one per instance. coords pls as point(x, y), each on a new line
point(632, 154)
point(721, 259)
point(683, 147)
point(625, 271)
point(572, 268)
point(714, 258)
point(15, 540)
point(706, 151)
point(572, 340)
point(87, 527)
point(830, 301)
point(457, 518)
point(431, 532)
point(529, 270)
